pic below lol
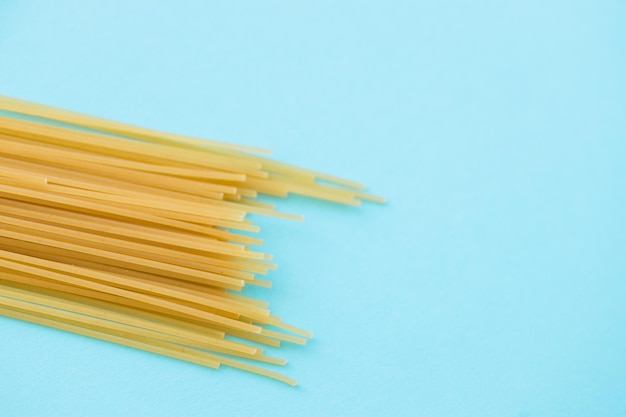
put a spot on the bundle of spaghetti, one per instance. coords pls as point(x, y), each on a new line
point(141, 237)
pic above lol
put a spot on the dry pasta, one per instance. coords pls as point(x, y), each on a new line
point(134, 236)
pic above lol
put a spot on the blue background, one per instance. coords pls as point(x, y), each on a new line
point(491, 284)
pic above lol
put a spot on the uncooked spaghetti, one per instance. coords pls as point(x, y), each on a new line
point(134, 236)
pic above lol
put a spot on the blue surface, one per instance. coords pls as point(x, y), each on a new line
point(491, 284)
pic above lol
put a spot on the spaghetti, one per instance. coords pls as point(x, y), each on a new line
point(134, 236)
